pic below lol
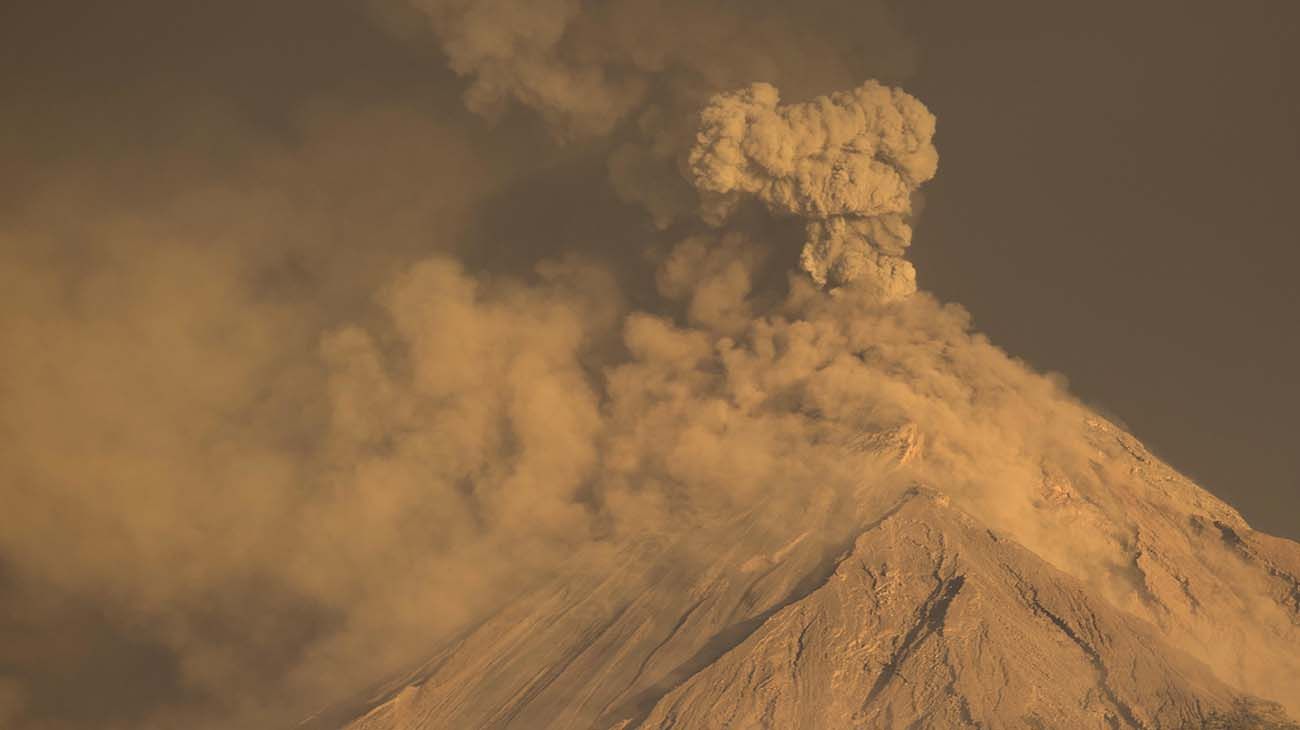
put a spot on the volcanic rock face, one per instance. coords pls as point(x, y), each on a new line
point(881, 611)
point(932, 619)
point(867, 515)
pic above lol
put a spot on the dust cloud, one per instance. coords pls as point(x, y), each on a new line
point(281, 420)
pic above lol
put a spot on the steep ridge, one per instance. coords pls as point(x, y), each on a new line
point(601, 645)
point(934, 621)
point(896, 609)
point(1186, 562)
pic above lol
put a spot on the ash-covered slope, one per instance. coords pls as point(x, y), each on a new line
point(835, 504)
point(934, 621)
point(899, 610)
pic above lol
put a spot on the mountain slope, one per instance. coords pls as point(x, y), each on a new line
point(896, 609)
point(934, 621)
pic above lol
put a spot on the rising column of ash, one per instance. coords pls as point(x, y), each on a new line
point(848, 163)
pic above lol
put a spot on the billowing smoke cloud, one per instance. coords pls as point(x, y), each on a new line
point(586, 66)
point(277, 427)
point(642, 70)
point(171, 555)
point(849, 163)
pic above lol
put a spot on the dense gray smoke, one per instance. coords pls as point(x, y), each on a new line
point(849, 163)
point(282, 425)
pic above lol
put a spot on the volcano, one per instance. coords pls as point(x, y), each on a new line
point(864, 515)
point(899, 610)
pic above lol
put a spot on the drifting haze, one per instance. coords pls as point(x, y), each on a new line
point(284, 412)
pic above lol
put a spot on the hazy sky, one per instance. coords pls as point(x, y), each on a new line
point(1140, 210)
point(1142, 216)
point(201, 201)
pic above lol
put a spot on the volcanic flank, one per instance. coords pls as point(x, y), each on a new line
point(840, 507)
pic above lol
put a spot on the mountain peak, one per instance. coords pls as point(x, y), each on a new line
point(922, 617)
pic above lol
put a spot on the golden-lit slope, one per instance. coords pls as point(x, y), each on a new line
point(895, 610)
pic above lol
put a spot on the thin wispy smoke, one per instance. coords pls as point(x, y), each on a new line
point(277, 429)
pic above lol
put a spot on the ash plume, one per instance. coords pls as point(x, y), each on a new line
point(849, 163)
point(287, 411)
point(585, 67)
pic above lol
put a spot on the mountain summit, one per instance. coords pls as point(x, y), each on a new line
point(834, 504)
point(898, 611)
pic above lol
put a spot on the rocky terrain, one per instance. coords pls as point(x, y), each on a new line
point(899, 610)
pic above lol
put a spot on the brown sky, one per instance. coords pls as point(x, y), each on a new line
point(1140, 234)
